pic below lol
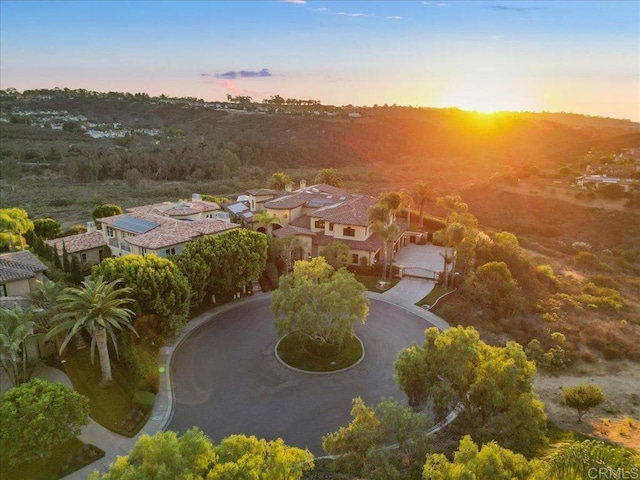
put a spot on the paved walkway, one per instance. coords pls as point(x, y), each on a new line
point(404, 294)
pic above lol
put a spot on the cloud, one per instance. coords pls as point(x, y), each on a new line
point(299, 2)
point(395, 17)
point(503, 8)
point(321, 9)
point(345, 14)
point(233, 75)
point(232, 87)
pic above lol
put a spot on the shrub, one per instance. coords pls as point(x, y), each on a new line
point(603, 281)
point(144, 400)
point(585, 259)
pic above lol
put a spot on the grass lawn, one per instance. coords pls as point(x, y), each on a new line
point(65, 459)
point(433, 295)
point(108, 405)
point(291, 351)
point(372, 282)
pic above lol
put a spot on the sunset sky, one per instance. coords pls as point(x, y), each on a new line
point(571, 56)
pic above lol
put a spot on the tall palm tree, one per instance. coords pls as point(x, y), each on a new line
point(392, 202)
point(421, 194)
point(16, 325)
point(379, 216)
point(279, 181)
point(453, 205)
point(99, 308)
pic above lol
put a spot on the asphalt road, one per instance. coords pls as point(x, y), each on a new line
point(227, 380)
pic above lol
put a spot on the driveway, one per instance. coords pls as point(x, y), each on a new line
point(226, 379)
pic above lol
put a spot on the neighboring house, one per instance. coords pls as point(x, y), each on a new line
point(320, 214)
point(165, 228)
point(258, 197)
point(595, 181)
point(19, 273)
point(87, 247)
point(240, 212)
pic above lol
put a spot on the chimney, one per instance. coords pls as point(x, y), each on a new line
point(287, 188)
point(91, 226)
point(303, 184)
point(196, 197)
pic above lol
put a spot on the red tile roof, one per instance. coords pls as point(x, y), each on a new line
point(78, 243)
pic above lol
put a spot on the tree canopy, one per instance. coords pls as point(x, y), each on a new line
point(106, 210)
point(47, 228)
point(319, 302)
point(337, 254)
point(494, 384)
point(224, 263)
point(279, 181)
point(36, 417)
point(158, 288)
point(166, 455)
point(583, 398)
point(329, 176)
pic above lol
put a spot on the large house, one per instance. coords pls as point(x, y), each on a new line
point(320, 214)
point(164, 228)
point(19, 273)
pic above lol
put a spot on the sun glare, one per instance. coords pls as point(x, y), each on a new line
point(487, 96)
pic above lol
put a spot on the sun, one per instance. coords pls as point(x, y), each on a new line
point(487, 95)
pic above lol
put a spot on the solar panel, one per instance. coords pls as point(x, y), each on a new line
point(133, 224)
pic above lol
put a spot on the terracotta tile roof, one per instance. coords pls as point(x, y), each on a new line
point(259, 192)
point(290, 230)
point(19, 265)
point(353, 211)
point(177, 209)
point(78, 243)
point(371, 244)
point(303, 221)
point(176, 232)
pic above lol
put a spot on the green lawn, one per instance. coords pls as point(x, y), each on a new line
point(433, 295)
point(109, 406)
point(291, 351)
point(66, 458)
point(372, 282)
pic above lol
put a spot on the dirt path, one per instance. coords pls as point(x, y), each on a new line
point(617, 419)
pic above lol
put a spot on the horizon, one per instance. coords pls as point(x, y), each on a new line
point(486, 56)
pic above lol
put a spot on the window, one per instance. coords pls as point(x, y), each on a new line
point(319, 224)
point(331, 227)
point(83, 258)
point(170, 251)
point(110, 232)
point(3, 290)
point(143, 251)
point(349, 232)
point(354, 258)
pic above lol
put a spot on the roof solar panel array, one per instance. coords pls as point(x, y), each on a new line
point(132, 224)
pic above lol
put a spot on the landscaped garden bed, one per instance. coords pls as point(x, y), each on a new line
point(296, 351)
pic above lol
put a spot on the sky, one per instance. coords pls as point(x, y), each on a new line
point(571, 56)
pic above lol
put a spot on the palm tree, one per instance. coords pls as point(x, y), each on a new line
point(379, 216)
point(16, 325)
point(279, 181)
point(266, 220)
point(99, 308)
point(580, 459)
point(330, 177)
point(453, 205)
point(455, 235)
point(392, 201)
point(421, 194)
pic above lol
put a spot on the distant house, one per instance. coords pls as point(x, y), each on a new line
point(19, 273)
point(165, 228)
point(596, 181)
point(87, 247)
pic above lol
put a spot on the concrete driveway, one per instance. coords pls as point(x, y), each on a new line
point(226, 379)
